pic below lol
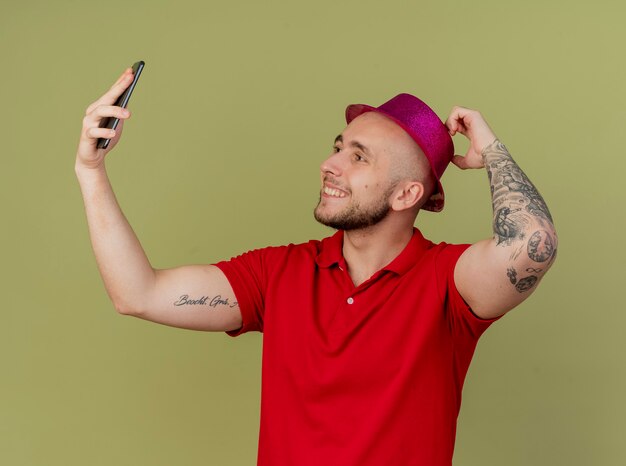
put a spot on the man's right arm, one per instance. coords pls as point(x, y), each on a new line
point(197, 297)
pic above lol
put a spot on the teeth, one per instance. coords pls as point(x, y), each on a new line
point(333, 192)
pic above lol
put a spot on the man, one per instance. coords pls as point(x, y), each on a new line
point(368, 334)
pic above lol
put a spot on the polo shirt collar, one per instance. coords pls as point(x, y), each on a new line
point(331, 252)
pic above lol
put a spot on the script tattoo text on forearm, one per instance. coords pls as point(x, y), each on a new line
point(519, 215)
point(213, 302)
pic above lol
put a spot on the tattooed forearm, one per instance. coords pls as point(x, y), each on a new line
point(521, 219)
point(517, 205)
point(213, 302)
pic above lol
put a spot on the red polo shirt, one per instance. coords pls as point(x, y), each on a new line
point(356, 376)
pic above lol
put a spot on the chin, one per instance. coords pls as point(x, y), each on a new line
point(322, 217)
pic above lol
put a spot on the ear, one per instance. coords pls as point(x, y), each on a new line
point(407, 195)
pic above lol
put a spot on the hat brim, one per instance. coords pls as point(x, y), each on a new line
point(436, 200)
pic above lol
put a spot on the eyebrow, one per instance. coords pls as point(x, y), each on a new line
point(355, 144)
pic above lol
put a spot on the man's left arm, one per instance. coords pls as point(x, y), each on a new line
point(495, 275)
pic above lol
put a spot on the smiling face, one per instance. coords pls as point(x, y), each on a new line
point(375, 169)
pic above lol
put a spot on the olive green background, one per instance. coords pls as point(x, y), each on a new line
point(236, 108)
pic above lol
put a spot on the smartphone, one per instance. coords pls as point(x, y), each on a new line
point(122, 101)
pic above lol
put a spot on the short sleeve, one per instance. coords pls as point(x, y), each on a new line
point(247, 277)
point(462, 320)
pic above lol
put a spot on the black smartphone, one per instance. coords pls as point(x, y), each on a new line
point(122, 101)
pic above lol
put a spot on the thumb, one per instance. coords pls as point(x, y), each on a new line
point(459, 161)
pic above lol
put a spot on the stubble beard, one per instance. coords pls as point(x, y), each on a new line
point(355, 217)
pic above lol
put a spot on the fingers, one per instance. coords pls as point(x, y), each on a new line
point(456, 124)
point(453, 126)
point(459, 120)
point(88, 154)
point(104, 108)
point(100, 112)
point(91, 122)
point(472, 125)
point(110, 111)
point(95, 133)
point(115, 91)
point(124, 74)
point(106, 133)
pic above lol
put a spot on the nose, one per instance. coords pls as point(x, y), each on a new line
point(332, 165)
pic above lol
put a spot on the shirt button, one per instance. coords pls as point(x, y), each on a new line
point(350, 300)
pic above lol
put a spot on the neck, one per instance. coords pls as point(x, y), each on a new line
point(368, 250)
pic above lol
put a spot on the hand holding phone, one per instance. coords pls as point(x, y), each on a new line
point(122, 101)
point(97, 137)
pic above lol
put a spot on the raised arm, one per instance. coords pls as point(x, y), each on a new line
point(497, 274)
point(197, 297)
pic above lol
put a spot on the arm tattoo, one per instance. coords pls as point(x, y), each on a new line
point(517, 205)
point(213, 302)
point(519, 213)
point(512, 274)
point(526, 283)
point(540, 246)
point(523, 284)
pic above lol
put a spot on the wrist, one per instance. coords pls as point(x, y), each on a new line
point(83, 171)
point(495, 146)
